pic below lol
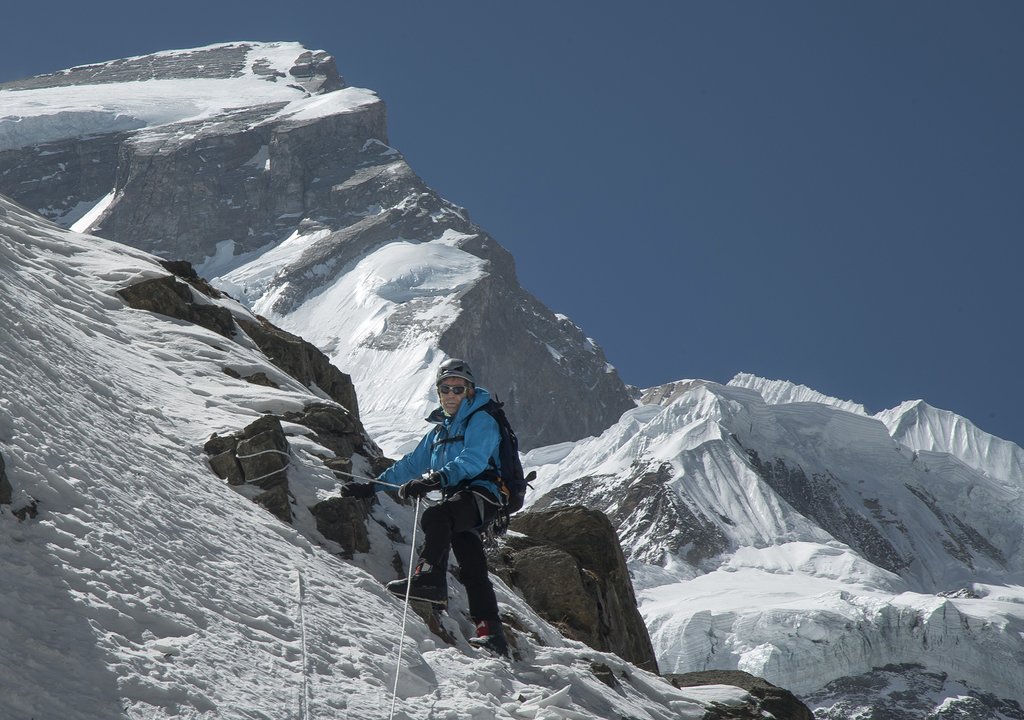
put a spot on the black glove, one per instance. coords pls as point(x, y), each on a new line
point(421, 485)
point(357, 490)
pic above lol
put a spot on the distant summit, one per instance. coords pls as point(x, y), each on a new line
point(774, 529)
point(255, 162)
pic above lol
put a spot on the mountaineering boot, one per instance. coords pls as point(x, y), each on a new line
point(429, 584)
point(490, 636)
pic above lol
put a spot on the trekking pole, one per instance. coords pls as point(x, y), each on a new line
point(405, 610)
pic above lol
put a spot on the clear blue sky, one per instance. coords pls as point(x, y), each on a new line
point(829, 193)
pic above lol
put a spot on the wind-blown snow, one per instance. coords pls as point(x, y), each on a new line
point(44, 115)
point(408, 291)
point(781, 392)
point(148, 588)
point(921, 427)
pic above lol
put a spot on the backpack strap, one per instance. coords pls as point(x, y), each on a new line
point(490, 473)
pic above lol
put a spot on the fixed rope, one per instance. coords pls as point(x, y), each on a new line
point(405, 610)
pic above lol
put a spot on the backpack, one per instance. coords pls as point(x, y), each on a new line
point(512, 482)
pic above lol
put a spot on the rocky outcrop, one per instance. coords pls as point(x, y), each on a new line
point(570, 568)
point(169, 296)
point(6, 491)
point(187, 185)
point(258, 456)
point(303, 361)
point(768, 700)
point(256, 459)
point(188, 297)
point(344, 521)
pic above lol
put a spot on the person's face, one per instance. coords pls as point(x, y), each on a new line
point(452, 391)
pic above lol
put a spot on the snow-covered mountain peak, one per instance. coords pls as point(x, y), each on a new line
point(798, 523)
point(174, 88)
point(927, 429)
point(255, 163)
point(779, 392)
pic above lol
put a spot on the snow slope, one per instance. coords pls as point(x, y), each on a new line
point(147, 588)
point(417, 283)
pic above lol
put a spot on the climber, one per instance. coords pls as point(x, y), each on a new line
point(459, 457)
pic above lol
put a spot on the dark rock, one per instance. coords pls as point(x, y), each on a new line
point(335, 428)
point(184, 270)
point(173, 298)
point(771, 700)
point(571, 570)
point(260, 378)
point(259, 456)
point(344, 520)
point(30, 510)
point(225, 466)
point(257, 378)
point(262, 452)
point(54, 178)
point(819, 497)
point(605, 674)
point(6, 491)
point(214, 62)
point(303, 361)
point(340, 466)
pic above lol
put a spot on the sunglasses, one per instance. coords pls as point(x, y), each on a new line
point(455, 389)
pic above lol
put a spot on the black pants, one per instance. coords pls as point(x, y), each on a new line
point(454, 525)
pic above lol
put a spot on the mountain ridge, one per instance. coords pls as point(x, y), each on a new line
point(189, 171)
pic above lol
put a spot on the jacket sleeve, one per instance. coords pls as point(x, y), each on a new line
point(481, 442)
point(410, 466)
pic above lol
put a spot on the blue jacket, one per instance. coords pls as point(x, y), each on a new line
point(461, 451)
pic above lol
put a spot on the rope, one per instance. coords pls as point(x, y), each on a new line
point(263, 452)
point(264, 477)
point(363, 477)
point(304, 696)
point(405, 611)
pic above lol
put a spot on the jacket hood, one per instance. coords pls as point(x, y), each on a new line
point(480, 398)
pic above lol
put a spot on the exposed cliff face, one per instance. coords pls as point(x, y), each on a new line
point(220, 155)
